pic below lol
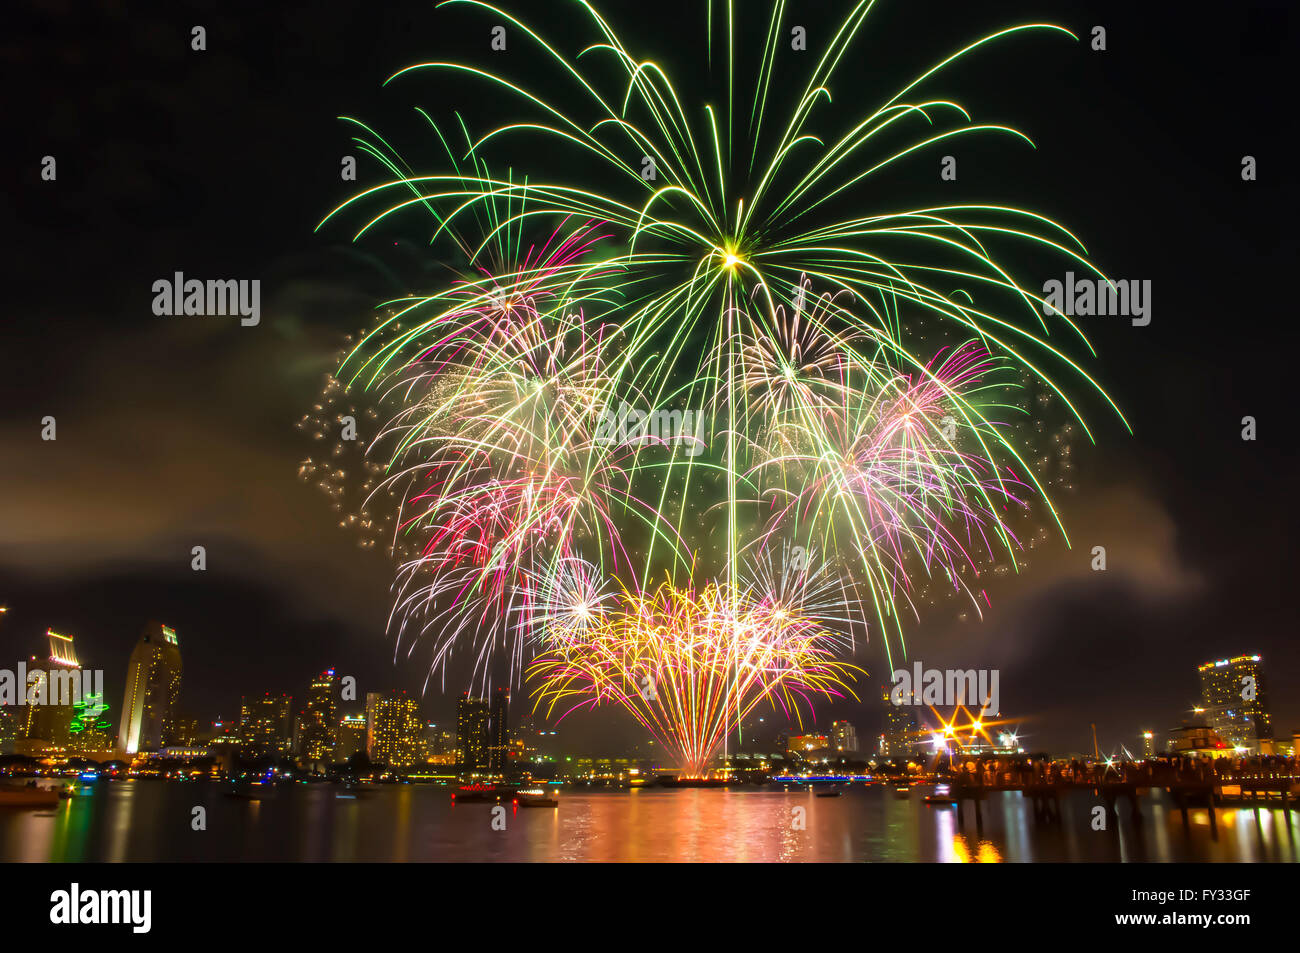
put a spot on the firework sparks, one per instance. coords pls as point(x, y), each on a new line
point(754, 278)
point(690, 665)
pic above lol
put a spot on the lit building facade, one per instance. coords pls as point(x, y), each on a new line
point(8, 732)
point(498, 733)
point(265, 727)
point(317, 729)
point(902, 732)
point(50, 700)
point(352, 735)
point(439, 744)
point(1197, 741)
point(1236, 703)
point(395, 731)
point(472, 734)
point(844, 738)
point(153, 687)
point(802, 744)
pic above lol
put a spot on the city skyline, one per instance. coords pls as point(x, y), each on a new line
point(571, 431)
point(904, 730)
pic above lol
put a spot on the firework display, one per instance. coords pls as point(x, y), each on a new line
point(689, 665)
point(680, 444)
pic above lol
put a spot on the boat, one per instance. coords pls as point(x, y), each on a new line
point(941, 795)
point(668, 781)
point(470, 793)
point(535, 797)
point(28, 797)
point(254, 792)
point(903, 791)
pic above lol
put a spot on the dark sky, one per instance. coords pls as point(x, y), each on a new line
point(174, 432)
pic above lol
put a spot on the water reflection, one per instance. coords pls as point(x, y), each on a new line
point(152, 821)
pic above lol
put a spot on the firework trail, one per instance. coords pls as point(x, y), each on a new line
point(741, 265)
point(689, 665)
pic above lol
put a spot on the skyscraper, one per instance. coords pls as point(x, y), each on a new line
point(1236, 704)
point(265, 727)
point(439, 744)
point(8, 732)
point(498, 732)
point(844, 738)
point(318, 722)
point(395, 732)
point(471, 734)
point(58, 688)
point(902, 732)
point(351, 737)
point(153, 685)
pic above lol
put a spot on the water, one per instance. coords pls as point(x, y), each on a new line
point(151, 821)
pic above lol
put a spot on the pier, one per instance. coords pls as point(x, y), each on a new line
point(1190, 783)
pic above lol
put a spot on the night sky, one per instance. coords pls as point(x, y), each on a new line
point(177, 431)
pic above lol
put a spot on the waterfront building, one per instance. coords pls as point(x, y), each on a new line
point(472, 717)
point(902, 732)
point(153, 685)
point(394, 729)
point(804, 744)
point(265, 727)
point(316, 731)
point(1199, 740)
point(49, 722)
point(844, 738)
point(439, 744)
point(1236, 703)
point(351, 737)
point(498, 734)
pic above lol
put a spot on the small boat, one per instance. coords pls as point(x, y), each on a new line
point(535, 797)
point(903, 791)
point(941, 795)
point(28, 797)
point(254, 792)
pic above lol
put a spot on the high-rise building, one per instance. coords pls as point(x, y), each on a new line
point(902, 732)
point(1236, 703)
point(351, 737)
point(1148, 744)
point(8, 732)
point(395, 732)
point(153, 685)
point(439, 744)
point(51, 705)
point(844, 738)
point(472, 734)
point(317, 729)
point(265, 727)
point(498, 734)
point(188, 732)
